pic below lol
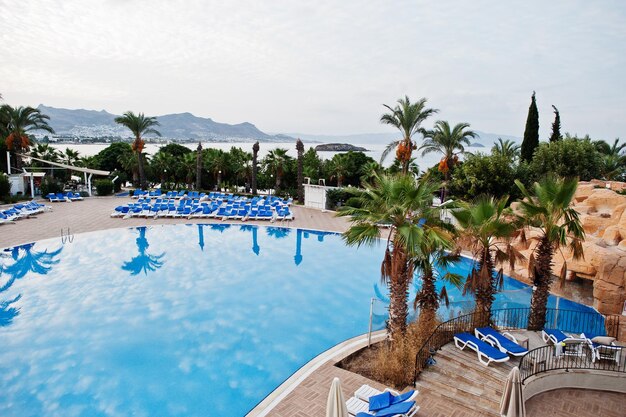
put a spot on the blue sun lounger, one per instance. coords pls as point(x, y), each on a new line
point(499, 340)
point(405, 409)
point(554, 336)
point(486, 353)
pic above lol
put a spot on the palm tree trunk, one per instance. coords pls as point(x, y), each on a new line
point(429, 302)
point(339, 180)
point(142, 175)
point(542, 282)
point(398, 290)
point(300, 148)
point(199, 167)
point(485, 290)
point(255, 153)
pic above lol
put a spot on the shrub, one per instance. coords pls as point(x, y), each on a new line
point(5, 186)
point(50, 185)
point(567, 158)
point(104, 187)
point(337, 197)
point(486, 174)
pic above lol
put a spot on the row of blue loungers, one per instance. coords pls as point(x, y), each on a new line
point(490, 345)
point(64, 197)
point(22, 211)
point(221, 206)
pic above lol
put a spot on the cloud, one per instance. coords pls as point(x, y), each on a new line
point(322, 67)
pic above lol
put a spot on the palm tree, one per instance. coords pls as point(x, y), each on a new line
point(139, 125)
point(449, 142)
point(405, 205)
point(143, 261)
point(407, 117)
point(338, 168)
point(199, 166)
point(369, 171)
point(255, 165)
point(70, 157)
point(613, 159)
point(506, 148)
point(300, 149)
point(485, 224)
point(217, 162)
point(189, 163)
point(161, 162)
point(547, 208)
point(45, 152)
point(276, 162)
point(130, 163)
point(18, 122)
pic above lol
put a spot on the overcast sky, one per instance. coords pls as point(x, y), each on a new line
point(322, 67)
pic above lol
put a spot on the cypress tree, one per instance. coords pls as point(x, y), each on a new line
point(531, 134)
point(556, 126)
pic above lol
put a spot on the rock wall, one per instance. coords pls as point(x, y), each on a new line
point(603, 216)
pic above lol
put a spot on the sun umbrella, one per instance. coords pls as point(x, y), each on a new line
point(512, 402)
point(336, 406)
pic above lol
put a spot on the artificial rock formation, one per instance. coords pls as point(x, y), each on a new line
point(603, 216)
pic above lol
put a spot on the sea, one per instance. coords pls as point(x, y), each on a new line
point(374, 150)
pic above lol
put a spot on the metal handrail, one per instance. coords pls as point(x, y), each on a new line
point(574, 355)
point(572, 321)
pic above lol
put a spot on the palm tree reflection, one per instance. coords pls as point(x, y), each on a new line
point(28, 260)
point(255, 244)
point(298, 257)
point(201, 236)
point(143, 261)
point(278, 232)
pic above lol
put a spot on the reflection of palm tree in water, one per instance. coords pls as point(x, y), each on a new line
point(144, 261)
point(201, 236)
point(298, 257)
point(278, 232)
point(26, 260)
point(255, 244)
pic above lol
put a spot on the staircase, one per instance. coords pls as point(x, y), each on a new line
point(458, 377)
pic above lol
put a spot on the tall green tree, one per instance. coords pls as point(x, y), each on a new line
point(70, 157)
point(450, 142)
point(338, 168)
point(139, 125)
point(407, 117)
point(217, 162)
point(415, 233)
point(531, 133)
point(255, 166)
point(613, 165)
point(485, 225)
point(556, 126)
point(199, 165)
point(546, 207)
point(312, 165)
point(18, 123)
point(300, 149)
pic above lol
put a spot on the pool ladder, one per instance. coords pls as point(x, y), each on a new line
point(66, 237)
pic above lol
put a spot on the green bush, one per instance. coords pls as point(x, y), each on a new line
point(338, 197)
point(567, 158)
point(486, 174)
point(5, 186)
point(50, 185)
point(104, 187)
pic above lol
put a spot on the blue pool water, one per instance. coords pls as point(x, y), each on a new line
point(189, 320)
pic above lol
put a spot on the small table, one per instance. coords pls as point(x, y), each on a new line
point(522, 341)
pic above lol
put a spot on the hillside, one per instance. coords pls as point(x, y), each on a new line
point(182, 126)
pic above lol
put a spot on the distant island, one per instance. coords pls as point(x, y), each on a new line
point(477, 145)
point(339, 147)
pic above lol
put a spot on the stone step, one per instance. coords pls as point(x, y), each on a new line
point(453, 368)
point(468, 379)
point(465, 393)
point(473, 407)
point(469, 359)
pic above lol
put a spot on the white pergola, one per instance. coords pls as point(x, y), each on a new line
point(87, 172)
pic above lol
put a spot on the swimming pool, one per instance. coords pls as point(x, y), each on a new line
point(186, 320)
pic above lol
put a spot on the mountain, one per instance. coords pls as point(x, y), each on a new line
point(182, 126)
point(484, 139)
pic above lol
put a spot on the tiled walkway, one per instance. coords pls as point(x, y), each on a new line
point(577, 402)
point(94, 214)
